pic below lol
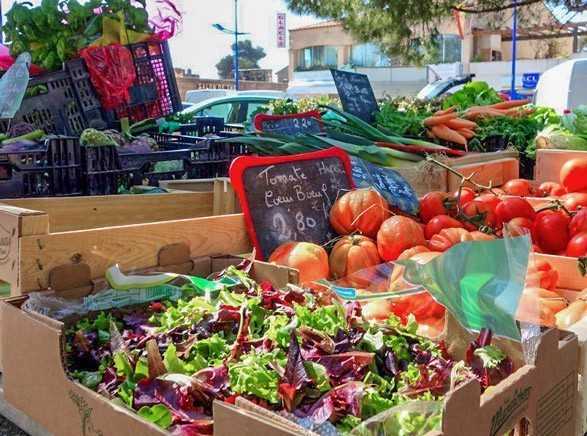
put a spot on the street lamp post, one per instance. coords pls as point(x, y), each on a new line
point(236, 45)
point(236, 33)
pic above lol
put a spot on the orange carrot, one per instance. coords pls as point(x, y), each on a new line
point(430, 134)
point(522, 112)
point(446, 133)
point(467, 133)
point(446, 111)
point(434, 120)
point(459, 123)
point(509, 104)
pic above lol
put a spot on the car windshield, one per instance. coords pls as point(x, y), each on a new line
point(434, 89)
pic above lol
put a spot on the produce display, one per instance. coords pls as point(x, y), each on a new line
point(287, 350)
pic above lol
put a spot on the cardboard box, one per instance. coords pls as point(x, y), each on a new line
point(35, 378)
point(543, 393)
point(571, 282)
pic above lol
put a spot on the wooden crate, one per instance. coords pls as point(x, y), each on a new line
point(225, 198)
point(76, 216)
point(497, 167)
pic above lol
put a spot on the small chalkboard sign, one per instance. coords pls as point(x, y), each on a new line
point(356, 94)
point(394, 188)
point(288, 198)
point(290, 124)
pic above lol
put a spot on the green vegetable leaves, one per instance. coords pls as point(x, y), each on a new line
point(473, 94)
point(57, 29)
point(157, 414)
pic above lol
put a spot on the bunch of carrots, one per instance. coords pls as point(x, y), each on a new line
point(448, 126)
point(459, 128)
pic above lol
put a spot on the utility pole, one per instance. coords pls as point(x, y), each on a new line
point(236, 45)
point(513, 94)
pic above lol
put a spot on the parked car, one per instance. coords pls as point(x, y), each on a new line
point(440, 87)
point(235, 109)
point(563, 87)
point(199, 95)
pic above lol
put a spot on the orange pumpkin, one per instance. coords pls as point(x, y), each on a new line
point(396, 235)
point(361, 210)
point(309, 259)
point(352, 254)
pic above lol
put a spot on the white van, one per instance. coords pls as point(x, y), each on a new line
point(563, 87)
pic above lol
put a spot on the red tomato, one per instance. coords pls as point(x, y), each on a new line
point(494, 191)
point(406, 254)
point(436, 224)
point(552, 189)
point(573, 174)
point(490, 199)
point(542, 276)
point(396, 235)
point(578, 245)
point(552, 232)
point(467, 195)
point(575, 200)
point(449, 237)
point(519, 187)
point(481, 212)
point(578, 223)
point(537, 249)
point(431, 205)
point(513, 207)
point(521, 226)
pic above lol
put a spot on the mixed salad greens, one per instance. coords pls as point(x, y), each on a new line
point(292, 351)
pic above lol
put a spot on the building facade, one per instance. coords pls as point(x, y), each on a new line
point(466, 45)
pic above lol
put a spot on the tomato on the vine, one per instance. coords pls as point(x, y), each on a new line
point(577, 246)
point(436, 224)
point(521, 226)
point(431, 205)
point(552, 232)
point(513, 207)
point(490, 199)
point(481, 213)
point(520, 187)
point(467, 195)
point(552, 189)
point(578, 223)
point(575, 200)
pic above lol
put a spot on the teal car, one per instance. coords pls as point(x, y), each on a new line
point(235, 110)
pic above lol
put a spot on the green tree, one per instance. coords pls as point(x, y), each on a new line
point(248, 57)
point(407, 29)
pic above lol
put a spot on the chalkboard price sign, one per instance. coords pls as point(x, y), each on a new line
point(394, 188)
point(288, 198)
point(290, 124)
point(356, 94)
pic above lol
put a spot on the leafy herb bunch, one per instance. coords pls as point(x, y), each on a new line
point(56, 30)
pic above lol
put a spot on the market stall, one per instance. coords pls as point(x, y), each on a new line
point(399, 266)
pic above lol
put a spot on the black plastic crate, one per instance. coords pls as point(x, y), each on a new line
point(154, 92)
point(65, 102)
point(102, 171)
point(142, 167)
point(51, 170)
point(208, 170)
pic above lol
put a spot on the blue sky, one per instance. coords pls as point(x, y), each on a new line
point(200, 46)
